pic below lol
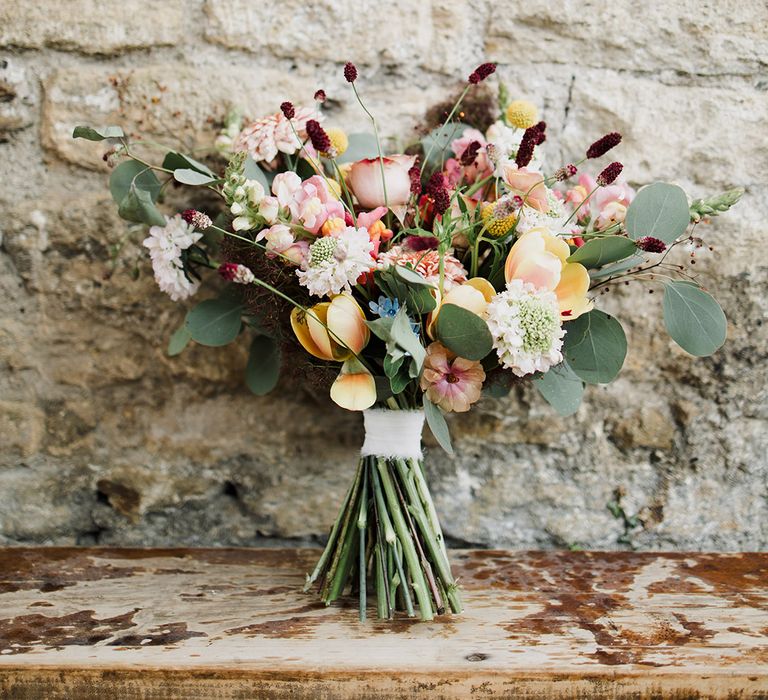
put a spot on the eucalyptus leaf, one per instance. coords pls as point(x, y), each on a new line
point(693, 318)
point(437, 424)
point(137, 206)
point(601, 251)
point(179, 340)
point(614, 269)
point(131, 173)
point(400, 379)
point(176, 161)
point(91, 134)
point(215, 322)
point(409, 276)
point(360, 146)
point(595, 347)
point(463, 332)
point(252, 171)
point(561, 388)
point(381, 327)
point(659, 210)
point(187, 176)
point(263, 369)
point(403, 335)
point(436, 143)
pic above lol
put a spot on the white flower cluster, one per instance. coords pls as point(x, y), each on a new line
point(505, 141)
point(554, 219)
point(165, 245)
point(336, 262)
point(244, 197)
point(525, 324)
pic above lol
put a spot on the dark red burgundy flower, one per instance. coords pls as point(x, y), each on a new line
point(350, 72)
point(609, 174)
point(288, 110)
point(320, 140)
point(604, 144)
point(650, 244)
point(482, 72)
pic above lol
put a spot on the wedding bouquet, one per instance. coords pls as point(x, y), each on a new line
point(412, 283)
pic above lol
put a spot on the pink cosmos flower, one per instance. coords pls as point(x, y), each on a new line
point(451, 382)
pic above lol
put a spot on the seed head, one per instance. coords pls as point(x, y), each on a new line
point(350, 72)
point(609, 174)
point(604, 144)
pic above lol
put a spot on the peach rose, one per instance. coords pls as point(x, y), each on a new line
point(366, 183)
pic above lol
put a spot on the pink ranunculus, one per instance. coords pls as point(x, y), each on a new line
point(527, 184)
point(366, 183)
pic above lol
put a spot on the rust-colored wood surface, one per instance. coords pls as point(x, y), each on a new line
point(233, 623)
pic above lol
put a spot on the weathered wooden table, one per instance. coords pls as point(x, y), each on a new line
point(227, 623)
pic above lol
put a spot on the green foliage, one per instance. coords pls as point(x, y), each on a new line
point(187, 176)
point(263, 369)
point(438, 426)
point(693, 318)
point(215, 322)
point(360, 146)
point(179, 340)
point(715, 205)
point(91, 134)
point(437, 143)
point(463, 332)
point(659, 210)
point(177, 161)
point(601, 251)
point(137, 206)
point(616, 268)
point(252, 171)
point(595, 347)
point(408, 287)
point(131, 173)
point(561, 388)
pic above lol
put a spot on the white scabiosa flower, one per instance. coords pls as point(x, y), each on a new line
point(335, 262)
point(165, 245)
point(525, 324)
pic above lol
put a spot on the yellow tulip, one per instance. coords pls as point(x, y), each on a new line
point(473, 296)
point(540, 257)
point(354, 388)
point(332, 330)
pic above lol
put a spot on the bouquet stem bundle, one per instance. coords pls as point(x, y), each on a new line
point(387, 537)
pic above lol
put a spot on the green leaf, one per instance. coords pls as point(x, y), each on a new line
point(176, 161)
point(601, 251)
point(595, 347)
point(131, 173)
point(561, 388)
point(437, 143)
point(381, 328)
point(263, 368)
point(409, 276)
point(138, 206)
point(215, 322)
point(402, 334)
point(400, 379)
point(437, 424)
point(252, 171)
point(693, 318)
point(463, 332)
point(659, 210)
point(187, 176)
point(179, 340)
point(614, 269)
point(360, 146)
point(91, 134)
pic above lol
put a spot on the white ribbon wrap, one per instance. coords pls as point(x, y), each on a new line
point(393, 434)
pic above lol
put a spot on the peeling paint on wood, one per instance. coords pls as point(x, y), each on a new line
point(233, 623)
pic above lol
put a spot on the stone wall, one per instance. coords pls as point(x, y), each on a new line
point(103, 438)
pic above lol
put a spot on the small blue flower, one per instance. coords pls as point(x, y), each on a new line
point(385, 307)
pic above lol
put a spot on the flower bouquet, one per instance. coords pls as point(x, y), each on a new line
point(411, 283)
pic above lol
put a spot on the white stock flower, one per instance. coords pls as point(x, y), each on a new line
point(526, 328)
point(337, 261)
point(165, 245)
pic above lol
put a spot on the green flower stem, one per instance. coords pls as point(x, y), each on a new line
point(582, 203)
point(381, 588)
point(384, 606)
point(329, 547)
point(378, 148)
point(362, 526)
point(417, 470)
point(447, 119)
point(337, 578)
point(420, 586)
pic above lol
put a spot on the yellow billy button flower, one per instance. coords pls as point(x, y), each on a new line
point(339, 143)
point(540, 257)
point(497, 219)
point(521, 114)
point(332, 330)
point(354, 388)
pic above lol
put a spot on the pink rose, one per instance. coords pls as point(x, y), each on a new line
point(528, 185)
point(366, 182)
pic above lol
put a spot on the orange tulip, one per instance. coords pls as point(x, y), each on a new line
point(332, 330)
point(354, 388)
point(540, 257)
